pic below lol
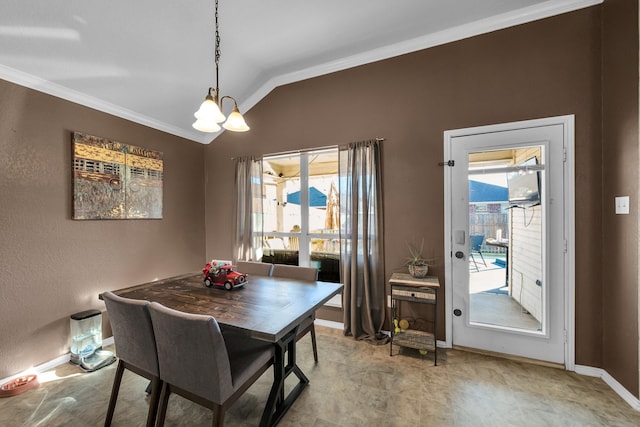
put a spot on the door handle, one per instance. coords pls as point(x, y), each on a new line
point(459, 254)
point(459, 237)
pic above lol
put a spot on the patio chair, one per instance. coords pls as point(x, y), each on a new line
point(135, 346)
point(294, 243)
point(303, 273)
point(199, 364)
point(475, 244)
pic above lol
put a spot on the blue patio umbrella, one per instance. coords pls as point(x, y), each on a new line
point(480, 192)
point(317, 199)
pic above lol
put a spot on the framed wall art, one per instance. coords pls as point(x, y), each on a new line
point(112, 180)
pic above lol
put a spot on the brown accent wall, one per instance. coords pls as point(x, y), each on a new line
point(583, 63)
point(620, 178)
point(52, 266)
point(546, 68)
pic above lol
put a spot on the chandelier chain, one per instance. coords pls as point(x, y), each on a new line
point(210, 112)
point(217, 40)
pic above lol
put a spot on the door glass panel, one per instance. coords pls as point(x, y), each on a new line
point(506, 239)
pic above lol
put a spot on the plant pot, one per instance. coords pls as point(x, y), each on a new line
point(418, 271)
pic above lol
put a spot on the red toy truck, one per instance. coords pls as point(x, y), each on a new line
point(223, 275)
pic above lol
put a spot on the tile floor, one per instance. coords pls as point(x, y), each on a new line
point(354, 384)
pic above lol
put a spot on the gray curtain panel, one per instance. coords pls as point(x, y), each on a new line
point(247, 225)
point(361, 241)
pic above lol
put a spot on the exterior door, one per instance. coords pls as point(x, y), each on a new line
point(507, 281)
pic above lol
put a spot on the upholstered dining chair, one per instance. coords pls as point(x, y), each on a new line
point(254, 267)
point(135, 347)
point(199, 364)
point(301, 273)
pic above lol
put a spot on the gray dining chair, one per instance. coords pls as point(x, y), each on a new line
point(254, 267)
point(200, 364)
point(309, 274)
point(135, 347)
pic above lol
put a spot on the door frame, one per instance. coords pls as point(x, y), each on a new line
point(568, 221)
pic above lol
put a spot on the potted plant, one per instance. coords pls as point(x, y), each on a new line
point(418, 265)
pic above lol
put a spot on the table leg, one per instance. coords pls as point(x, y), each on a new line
point(277, 403)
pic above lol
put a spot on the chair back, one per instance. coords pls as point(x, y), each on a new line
point(254, 267)
point(475, 241)
point(192, 353)
point(132, 331)
point(295, 272)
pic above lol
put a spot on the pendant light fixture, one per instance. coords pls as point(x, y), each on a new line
point(209, 115)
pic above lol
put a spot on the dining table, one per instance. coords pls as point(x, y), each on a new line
point(266, 308)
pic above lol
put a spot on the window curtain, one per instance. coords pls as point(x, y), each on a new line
point(248, 236)
point(361, 241)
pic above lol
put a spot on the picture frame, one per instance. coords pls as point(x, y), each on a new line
point(114, 180)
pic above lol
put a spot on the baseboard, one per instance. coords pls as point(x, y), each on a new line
point(590, 371)
point(46, 366)
point(329, 324)
point(335, 302)
point(510, 357)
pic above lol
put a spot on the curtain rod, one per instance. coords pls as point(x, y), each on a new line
point(326, 147)
point(284, 153)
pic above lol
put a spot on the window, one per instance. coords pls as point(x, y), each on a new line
point(301, 211)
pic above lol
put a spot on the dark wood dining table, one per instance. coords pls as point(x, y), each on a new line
point(266, 308)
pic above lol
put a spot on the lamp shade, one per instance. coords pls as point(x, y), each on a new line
point(204, 125)
point(236, 122)
point(209, 110)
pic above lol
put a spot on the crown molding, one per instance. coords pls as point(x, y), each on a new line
point(483, 26)
point(54, 89)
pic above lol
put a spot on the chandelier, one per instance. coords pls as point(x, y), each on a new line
point(209, 115)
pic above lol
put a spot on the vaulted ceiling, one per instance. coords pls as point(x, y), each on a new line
point(151, 61)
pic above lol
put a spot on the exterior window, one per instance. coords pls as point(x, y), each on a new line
point(301, 211)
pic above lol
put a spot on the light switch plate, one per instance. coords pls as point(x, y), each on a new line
point(622, 205)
